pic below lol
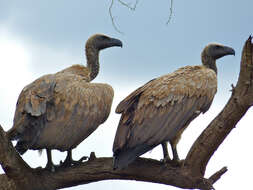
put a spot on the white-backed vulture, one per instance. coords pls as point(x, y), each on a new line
point(58, 111)
point(159, 111)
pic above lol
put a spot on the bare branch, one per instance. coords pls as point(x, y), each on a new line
point(128, 5)
point(133, 8)
point(215, 177)
point(171, 12)
point(18, 174)
point(93, 170)
point(112, 18)
point(10, 160)
point(98, 169)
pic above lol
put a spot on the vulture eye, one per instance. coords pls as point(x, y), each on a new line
point(104, 37)
point(217, 47)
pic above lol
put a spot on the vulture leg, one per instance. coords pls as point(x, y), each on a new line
point(69, 161)
point(166, 157)
point(175, 161)
point(50, 165)
point(174, 152)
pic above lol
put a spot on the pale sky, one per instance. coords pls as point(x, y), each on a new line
point(41, 37)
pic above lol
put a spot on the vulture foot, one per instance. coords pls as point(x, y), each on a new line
point(177, 162)
point(70, 162)
point(50, 166)
point(166, 160)
point(173, 162)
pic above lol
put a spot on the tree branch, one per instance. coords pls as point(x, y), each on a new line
point(98, 169)
point(112, 18)
point(215, 177)
point(171, 12)
point(18, 175)
point(128, 5)
point(132, 8)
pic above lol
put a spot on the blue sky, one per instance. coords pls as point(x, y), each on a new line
point(41, 37)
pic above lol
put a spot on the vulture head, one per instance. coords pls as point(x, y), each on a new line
point(100, 41)
point(214, 51)
point(94, 44)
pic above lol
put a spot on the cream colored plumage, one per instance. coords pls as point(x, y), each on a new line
point(64, 107)
point(58, 111)
point(160, 110)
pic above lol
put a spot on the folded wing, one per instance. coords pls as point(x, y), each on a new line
point(59, 111)
point(160, 110)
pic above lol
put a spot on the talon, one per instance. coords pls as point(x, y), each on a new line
point(70, 162)
point(83, 159)
point(173, 162)
point(166, 160)
point(177, 163)
point(50, 167)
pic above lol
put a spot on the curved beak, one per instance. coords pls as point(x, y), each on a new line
point(223, 51)
point(229, 50)
point(115, 42)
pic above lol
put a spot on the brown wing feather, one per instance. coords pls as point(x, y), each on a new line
point(68, 113)
point(31, 105)
point(79, 110)
point(131, 99)
point(164, 108)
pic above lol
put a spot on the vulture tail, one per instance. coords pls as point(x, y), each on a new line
point(21, 147)
point(123, 158)
point(12, 134)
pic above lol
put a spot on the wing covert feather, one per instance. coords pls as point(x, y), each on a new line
point(130, 99)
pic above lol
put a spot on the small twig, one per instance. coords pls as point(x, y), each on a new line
point(171, 12)
point(216, 176)
point(233, 89)
point(132, 8)
point(112, 18)
point(128, 5)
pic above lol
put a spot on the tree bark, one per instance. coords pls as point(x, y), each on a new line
point(190, 174)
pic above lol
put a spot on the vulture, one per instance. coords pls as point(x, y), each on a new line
point(58, 111)
point(159, 111)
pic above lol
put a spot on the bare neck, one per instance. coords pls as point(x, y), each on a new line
point(92, 55)
point(209, 62)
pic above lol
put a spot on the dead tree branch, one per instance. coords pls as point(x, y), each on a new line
point(112, 18)
point(190, 175)
point(171, 12)
point(128, 5)
point(132, 8)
